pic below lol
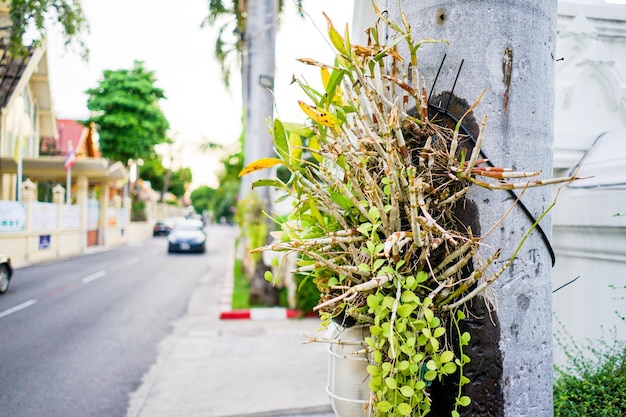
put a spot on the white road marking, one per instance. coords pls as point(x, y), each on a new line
point(132, 261)
point(94, 276)
point(17, 308)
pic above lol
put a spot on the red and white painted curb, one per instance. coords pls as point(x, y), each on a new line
point(261, 313)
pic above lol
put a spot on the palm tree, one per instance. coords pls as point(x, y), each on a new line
point(246, 39)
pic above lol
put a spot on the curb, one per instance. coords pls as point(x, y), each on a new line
point(269, 313)
point(321, 411)
point(261, 313)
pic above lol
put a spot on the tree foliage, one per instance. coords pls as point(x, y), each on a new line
point(153, 170)
point(202, 198)
point(126, 113)
point(221, 202)
point(29, 14)
point(230, 41)
point(181, 178)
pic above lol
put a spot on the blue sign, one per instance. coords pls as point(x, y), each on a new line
point(44, 241)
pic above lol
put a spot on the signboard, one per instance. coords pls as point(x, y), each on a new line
point(44, 216)
point(44, 241)
point(70, 217)
point(12, 216)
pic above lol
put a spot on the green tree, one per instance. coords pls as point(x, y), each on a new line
point(163, 179)
point(28, 15)
point(202, 198)
point(179, 182)
point(127, 115)
point(230, 41)
point(153, 170)
point(225, 198)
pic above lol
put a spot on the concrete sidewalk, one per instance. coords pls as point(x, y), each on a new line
point(210, 367)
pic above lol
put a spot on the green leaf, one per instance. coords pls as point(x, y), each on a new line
point(364, 228)
point(460, 315)
point(364, 267)
point(391, 382)
point(434, 322)
point(295, 150)
point(449, 368)
point(455, 413)
point(388, 302)
point(335, 37)
point(421, 277)
point(268, 276)
point(404, 409)
point(405, 310)
point(316, 213)
point(314, 146)
point(383, 406)
point(438, 332)
point(434, 343)
point(464, 401)
point(268, 183)
point(386, 368)
point(280, 139)
point(373, 300)
point(403, 365)
point(373, 370)
point(377, 264)
point(407, 391)
point(341, 200)
point(373, 213)
point(430, 375)
point(446, 356)
point(410, 283)
point(428, 314)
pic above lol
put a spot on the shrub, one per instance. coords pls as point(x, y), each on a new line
point(593, 382)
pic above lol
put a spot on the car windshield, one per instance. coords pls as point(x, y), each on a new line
point(188, 226)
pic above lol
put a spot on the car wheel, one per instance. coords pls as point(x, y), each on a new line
point(4, 279)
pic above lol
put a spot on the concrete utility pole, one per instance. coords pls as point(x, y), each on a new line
point(258, 81)
point(508, 49)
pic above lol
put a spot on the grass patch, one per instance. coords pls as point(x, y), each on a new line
point(241, 288)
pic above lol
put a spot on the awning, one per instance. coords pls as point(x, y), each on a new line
point(50, 168)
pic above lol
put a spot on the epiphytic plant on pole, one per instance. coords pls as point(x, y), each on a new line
point(377, 184)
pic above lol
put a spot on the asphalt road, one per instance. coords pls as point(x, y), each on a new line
point(77, 335)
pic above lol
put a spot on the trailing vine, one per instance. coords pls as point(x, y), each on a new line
point(376, 187)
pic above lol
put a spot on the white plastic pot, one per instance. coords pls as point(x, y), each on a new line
point(347, 371)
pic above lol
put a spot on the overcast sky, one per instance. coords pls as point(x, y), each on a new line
point(171, 43)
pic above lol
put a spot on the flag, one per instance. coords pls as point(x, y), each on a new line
point(70, 157)
point(17, 149)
